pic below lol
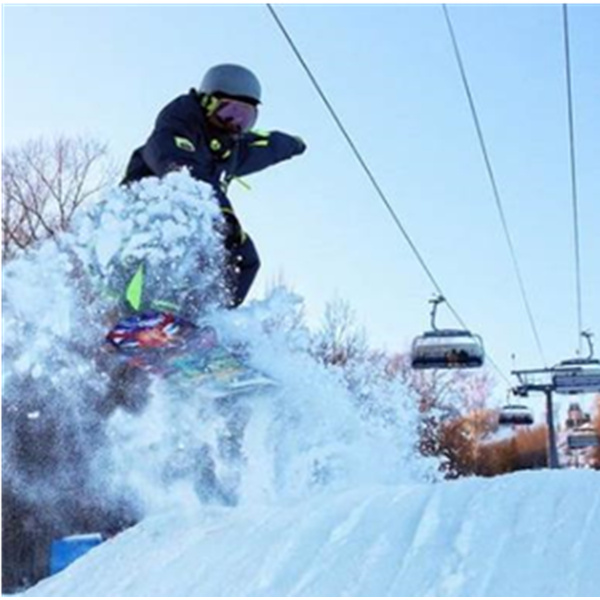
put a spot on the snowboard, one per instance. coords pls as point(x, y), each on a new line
point(171, 347)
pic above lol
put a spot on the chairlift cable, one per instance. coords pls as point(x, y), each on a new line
point(369, 172)
point(573, 176)
point(359, 157)
point(492, 179)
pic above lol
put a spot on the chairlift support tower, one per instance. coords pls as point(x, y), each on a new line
point(523, 390)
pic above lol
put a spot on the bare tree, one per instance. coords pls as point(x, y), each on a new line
point(340, 339)
point(452, 405)
point(44, 183)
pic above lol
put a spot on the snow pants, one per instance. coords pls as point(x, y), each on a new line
point(242, 266)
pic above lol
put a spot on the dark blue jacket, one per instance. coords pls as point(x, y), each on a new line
point(182, 137)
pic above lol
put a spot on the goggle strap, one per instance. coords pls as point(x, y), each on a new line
point(210, 103)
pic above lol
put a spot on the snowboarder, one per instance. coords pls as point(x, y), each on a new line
point(209, 131)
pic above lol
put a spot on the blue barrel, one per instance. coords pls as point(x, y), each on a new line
point(66, 550)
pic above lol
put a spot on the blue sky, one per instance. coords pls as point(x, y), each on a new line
point(391, 75)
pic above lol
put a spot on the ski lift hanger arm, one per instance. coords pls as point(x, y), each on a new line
point(525, 388)
point(541, 371)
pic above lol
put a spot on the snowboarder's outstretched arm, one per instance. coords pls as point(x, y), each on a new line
point(259, 150)
point(180, 139)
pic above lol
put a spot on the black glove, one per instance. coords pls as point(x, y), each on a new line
point(301, 144)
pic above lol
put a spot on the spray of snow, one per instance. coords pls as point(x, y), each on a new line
point(170, 444)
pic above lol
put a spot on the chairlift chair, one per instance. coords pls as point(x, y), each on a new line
point(515, 414)
point(578, 375)
point(583, 437)
point(446, 348)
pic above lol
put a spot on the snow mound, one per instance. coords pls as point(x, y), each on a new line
point(526, 534)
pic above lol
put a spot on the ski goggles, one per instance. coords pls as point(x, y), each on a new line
point(236, 115)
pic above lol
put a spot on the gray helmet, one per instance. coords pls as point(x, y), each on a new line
point(231, 80)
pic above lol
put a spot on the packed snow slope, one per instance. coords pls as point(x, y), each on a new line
point(526, 534)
